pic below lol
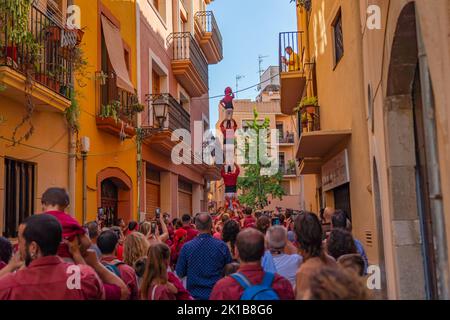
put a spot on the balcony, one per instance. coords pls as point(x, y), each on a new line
point(160, 128)
point(118, 110)
point(288, 172)
point(292, 74)
point(286, 139)
point(41, 65)
point(309, 119)
point(189, 65)
point(208, 36)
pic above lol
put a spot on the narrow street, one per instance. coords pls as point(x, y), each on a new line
point(224, 150)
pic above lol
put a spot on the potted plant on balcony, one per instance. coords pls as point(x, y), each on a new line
point(305, 119)
point(309, 104)
point(111, 110)
point(292, 164)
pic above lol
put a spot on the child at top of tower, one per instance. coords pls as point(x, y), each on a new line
point(227, 104)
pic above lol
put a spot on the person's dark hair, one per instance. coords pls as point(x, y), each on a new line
point(118, 221)
point(45, 230)
point(322, 217)
point(203, 222)
point(139, 266)
point(308, 230)
point(92, 228)
point(174, 221)
point(248, 211)
point(178, 224)
point(230, 231)
point(250, 245)
point(263, 223)
point(107, 241)
point(340, 242)
point(56, 197)
point(230, 268)
point(258, 214)
point(6, 250)
point(282, 218)
point(186, 218)
point(339, 219)
point(132, 225)
point(117, 230)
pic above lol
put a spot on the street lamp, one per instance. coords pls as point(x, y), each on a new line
point(160, 113)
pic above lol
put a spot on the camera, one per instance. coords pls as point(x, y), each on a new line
point(153, 227)
point(157, 213)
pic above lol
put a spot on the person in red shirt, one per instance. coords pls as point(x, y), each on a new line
point(54, 202)
point(191, 231)
point(249, 251)
point(46, 276)
point(178, 242)
point(230, 180)
point(108, 242)
point(227, 104)
point(6, 251)
point(249, 221)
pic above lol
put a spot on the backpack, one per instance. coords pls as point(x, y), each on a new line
point(262, 291)
point(113, 267)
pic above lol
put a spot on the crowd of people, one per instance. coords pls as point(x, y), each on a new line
point(231, 255)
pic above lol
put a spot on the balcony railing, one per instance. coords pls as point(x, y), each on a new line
point(291, 51)
point(208, 24)
point(177, 116)
point(118, 108)
point(185, 47)
point(47, 56)
point(288, 171)
point(309, 119)
point(287, 138)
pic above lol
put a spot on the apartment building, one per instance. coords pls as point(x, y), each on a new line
point(178, 40)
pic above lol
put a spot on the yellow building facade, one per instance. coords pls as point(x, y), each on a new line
point(379, 128)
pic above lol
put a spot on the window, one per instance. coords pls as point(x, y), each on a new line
point(280, 131)
point(19, 194)
point(156, 82)
point(126, 54)
point(281, 162)
point(338, 38)
point(286, 185)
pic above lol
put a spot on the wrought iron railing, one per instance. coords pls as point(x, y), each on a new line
point(116, 102)
point(185, 47)
point(177, 116)
point(288, 171)
point(287, 137)
point(208, 23)
point(291, 51)
point(44, 54)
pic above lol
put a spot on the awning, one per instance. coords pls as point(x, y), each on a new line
point(310, 166)
point(318, 144)
point(114, 45)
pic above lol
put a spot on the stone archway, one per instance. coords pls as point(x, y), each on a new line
point(116, 178)
point(411, 241)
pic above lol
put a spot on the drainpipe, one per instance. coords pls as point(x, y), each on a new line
point(434, 181)
point(72, 171)
point(84, 157)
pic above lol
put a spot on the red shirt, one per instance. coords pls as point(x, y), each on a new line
point(47, 278)
point(229, 289)
point(127, 274)
point(182, 293)
point(71, 228)
point(191, 233)
point(249, 221)
point(230, 179)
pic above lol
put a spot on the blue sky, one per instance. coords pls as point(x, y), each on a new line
point(249, 28)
